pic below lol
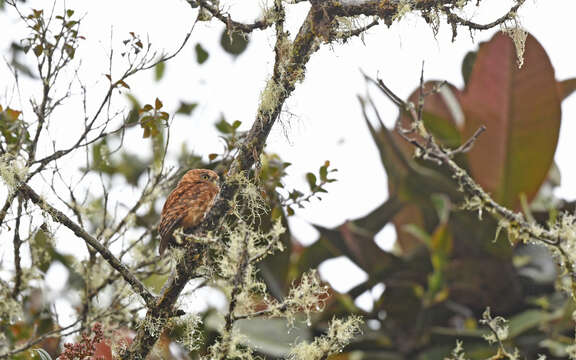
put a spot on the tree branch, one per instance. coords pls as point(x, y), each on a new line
point(291, 60)
point(27, 192)
point(231, 25)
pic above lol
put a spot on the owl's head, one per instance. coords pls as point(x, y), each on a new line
point(201, 175)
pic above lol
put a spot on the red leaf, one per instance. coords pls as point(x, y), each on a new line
point(521, 110)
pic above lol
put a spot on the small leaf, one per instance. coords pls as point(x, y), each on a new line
point(38, 50)
point(224, 126)
point(290, 211)
point(311, 178)
point(212, 157)
point(12, 114)
point(201, 54)
point(323, 173)
point(70, 51)
point(233, 43)
point(186, 108)
point(108, 77)
point(163, 115)
point(158, 104)
point(70, 24)
point(69, 12)
point(123, 84)
point(147, 107)
point(236, 124)
point(159, 70)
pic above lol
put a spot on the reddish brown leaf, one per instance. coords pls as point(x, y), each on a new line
point(158, 104)
point(521, 110)
point(566, 88)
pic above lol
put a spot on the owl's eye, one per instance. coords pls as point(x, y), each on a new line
point(205, 177)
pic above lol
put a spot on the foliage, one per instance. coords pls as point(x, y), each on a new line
point(438, 283)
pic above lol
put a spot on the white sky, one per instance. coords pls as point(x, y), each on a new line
point(322, 119)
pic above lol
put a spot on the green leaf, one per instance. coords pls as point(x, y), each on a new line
point(521, 110)
point(311, 178)
point(353, 242)
point(186, 108)
point(468, 65)
point(529, 319)
point(38, 50)
point(159, 70)
point(323, 173)
point(71, 23)
point(224, 126)
point(201, 54)
point(234, 43)
point(381, 216)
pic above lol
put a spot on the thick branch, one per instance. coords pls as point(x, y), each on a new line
point(291, 60)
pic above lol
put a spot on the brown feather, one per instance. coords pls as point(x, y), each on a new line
point(187, 204)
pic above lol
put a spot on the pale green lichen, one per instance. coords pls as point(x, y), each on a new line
point(404, 7)
point(518, 36)
point(498, 326)
point(340, 333)
point(153, 326)
point(270, 97)
point(192, 336)
point(308, 296)
point(231, 348)
point(457, 353)
point(461, 3)
point(10, 309)
point(248, 205)
point(12, 171)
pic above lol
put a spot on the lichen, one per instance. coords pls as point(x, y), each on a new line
point(340, 333)
point(518, 36)
point(270, 97)
point(192, 336)
point(10, 309)
point(12, 171)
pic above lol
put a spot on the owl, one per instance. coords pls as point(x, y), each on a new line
point(187, 204)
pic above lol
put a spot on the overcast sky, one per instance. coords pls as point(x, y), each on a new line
point(322, 119)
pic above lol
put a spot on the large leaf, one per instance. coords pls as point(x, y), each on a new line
point(348, 240)
point(521, 110)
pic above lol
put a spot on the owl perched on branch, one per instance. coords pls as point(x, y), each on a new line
point(187, 204)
